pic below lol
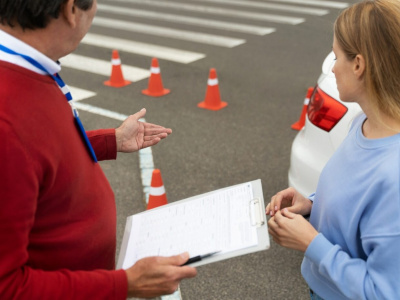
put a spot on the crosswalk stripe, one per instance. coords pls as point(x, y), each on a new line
point(102, 67)
point(331, 4)
point(244, 28)
point(197, 37)
point(80, 94)
point(273, 6)
point(134, 47)
point(220, 11)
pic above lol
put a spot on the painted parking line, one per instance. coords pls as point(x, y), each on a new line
point(274, 6)
point(331, 4)
point(220, 11)
point(197, 37)
point(102, 67)
point(166, 53)
point(100, 111)
point(243, 28)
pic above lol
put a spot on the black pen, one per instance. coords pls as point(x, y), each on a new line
point(199, 258)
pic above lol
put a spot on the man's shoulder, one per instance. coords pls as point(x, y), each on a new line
point(11, 72)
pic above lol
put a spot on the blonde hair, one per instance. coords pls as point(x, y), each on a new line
point(372, 29)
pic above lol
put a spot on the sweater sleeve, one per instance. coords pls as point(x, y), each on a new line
point(356, 278)
point(104, 143)
point(19, 191)
point(311, 197)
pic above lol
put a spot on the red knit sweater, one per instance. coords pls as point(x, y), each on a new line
point(57, 209)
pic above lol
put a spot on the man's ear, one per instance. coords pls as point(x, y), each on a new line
point(359, 66)
point(68, 12)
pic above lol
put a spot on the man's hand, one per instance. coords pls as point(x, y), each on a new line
point(156, 276)
point(134, 135)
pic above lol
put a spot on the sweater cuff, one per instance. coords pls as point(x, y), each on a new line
point(318, 248)
point(121, 284)
point(104, 143)
point(311, 197)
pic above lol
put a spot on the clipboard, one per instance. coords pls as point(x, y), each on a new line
point(256, 223)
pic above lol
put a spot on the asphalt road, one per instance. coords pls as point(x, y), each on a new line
point(264, 82)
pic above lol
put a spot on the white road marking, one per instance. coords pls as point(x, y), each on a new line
point(331, 4)
point(273, 6)
point(230, 26)
point(80, 94)
point(150, 50)
point(100, 111)
point(102, 67)
point(185, 35)
point(220, 11)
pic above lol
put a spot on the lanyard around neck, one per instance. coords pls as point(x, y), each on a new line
point(33, 62)
point(64, 88)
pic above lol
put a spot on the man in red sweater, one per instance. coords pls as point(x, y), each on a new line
point(57, 209)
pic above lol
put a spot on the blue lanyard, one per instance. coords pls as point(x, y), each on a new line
point(64, 89)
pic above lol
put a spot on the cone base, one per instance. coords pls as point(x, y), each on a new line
point(117, 85)
point(297, 126)
point(204, 105)
point(153, 203)
point(156, 94)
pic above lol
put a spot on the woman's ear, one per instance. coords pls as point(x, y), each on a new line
point(68, 12)
point(359, 65)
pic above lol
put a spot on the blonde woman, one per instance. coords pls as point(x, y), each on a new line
point(352, 242)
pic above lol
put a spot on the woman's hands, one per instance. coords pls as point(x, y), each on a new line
point(291, 199)
point(291, 230)
point(287, 225)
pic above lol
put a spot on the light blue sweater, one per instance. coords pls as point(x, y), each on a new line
point(356, 211)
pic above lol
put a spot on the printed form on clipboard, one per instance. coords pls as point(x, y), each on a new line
point(231, 221)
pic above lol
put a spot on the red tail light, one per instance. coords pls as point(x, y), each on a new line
point(324, 111)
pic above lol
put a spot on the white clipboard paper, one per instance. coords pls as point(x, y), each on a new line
point(231, 220)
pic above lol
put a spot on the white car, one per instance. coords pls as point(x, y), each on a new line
point(327, 122)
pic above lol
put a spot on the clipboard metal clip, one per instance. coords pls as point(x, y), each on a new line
point(256, 212)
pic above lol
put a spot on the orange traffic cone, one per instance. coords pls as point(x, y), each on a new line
point(212, 100)
point(157, 196)
point(302, 120)
point(116, 79)
point(155, 87)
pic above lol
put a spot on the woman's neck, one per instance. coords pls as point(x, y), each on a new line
point(380, 126)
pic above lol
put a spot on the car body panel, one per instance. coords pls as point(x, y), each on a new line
point(312, 146)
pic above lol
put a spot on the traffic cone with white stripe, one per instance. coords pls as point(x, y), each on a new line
point(155, 87)
point(212, 100)
point(157, 196)
point(116, 79)
point(302, 120)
